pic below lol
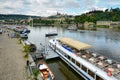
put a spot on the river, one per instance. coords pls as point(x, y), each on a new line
point(104, 41)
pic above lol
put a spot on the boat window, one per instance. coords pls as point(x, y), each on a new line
point(73, 60)
point(73, 51)
point(68, 57)
point(91, 73)
point(58, 49)
point(60, 43)
point(84, 68)
point(62, 52)
point(77, 63)
point(98, 78)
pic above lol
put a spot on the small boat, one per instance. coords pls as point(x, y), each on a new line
point(72, 28)
point(26, 30)
point(32, 47)
point(24, 36)
point(21, 29)
point(51, 34)
point(45, 71)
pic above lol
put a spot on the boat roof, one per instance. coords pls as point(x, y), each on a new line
point(42, 66)
point(75, 44)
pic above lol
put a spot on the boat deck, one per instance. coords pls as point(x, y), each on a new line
point(102, 62)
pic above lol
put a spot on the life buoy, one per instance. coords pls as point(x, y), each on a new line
point(109, 73)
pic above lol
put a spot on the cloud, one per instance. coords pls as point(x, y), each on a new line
point(45, 8)
point(51, 7)
point(10, 6)
point(114, 2)
point(90, 4)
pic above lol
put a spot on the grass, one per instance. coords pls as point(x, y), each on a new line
point(118, 27)
point(17, 35)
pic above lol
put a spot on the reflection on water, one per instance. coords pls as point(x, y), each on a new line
point(104, 41)
point(62, 71)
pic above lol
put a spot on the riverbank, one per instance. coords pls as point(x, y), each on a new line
point(12, 61)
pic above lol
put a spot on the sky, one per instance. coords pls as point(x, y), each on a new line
point(51, 7)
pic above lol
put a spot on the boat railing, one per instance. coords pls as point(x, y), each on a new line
point(103, 63)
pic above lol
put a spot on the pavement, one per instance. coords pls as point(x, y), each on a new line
point(12, 61)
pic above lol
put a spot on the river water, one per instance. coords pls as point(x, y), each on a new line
point(104, 41)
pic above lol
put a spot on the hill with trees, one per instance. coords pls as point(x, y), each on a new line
point(99, 15)
point(15, 16)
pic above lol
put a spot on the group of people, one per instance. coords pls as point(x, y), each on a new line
point(9, 34)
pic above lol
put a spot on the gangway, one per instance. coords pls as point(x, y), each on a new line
point(50, 54)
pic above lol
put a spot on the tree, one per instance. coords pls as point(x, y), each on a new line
point(97, 15)
point(106, 10)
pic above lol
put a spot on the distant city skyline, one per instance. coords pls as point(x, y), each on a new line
point(51, 7)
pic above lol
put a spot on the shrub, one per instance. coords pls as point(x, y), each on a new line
point(35, 72)
point(26, 48)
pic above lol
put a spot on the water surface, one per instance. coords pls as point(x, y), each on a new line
point(104, 41)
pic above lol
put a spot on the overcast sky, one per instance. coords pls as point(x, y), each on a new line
point(51, 7)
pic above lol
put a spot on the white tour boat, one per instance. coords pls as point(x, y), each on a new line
point(88, 64)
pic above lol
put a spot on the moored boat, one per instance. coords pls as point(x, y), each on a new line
point(21, 29)
point(24, 36)
point(32, 46)
point(51, 34)
point(72, 28)
point(85, 62)
point(45, 71)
